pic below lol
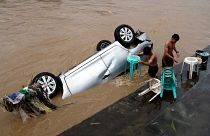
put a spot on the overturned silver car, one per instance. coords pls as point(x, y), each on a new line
point(106, 64)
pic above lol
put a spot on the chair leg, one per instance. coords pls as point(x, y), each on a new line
point(197, 69)
point(191, 71)
point(131, 70)
point(182, 68)
point(154, 97)
point(144, 92)
point(174, 80)
point(140, 67)
point(161, 93)
point(174, 92)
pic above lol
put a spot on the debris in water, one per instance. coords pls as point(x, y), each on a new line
point(31, 101)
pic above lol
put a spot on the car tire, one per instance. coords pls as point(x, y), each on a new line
point(125, 35)
point(102, 44)
point(49, 83)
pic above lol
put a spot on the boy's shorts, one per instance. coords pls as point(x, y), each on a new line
point(152, 71)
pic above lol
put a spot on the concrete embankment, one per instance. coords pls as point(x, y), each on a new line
point(134, 115)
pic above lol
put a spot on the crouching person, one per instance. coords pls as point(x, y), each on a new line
point(150, 61)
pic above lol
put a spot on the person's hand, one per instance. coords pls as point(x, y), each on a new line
point(175, 61)
point(140, 62)
point(177, 54)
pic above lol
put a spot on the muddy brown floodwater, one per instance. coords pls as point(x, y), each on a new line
point(54, 35)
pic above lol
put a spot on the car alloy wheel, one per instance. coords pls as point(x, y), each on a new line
point(126, 34)
point(48, 82)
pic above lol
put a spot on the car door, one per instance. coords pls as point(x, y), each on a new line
point(115, 59)
point(89, 73)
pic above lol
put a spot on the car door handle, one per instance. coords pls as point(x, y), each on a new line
point(105, 76)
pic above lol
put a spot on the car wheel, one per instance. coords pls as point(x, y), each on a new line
point(49, 83)
point(125, 35)
point(102, 44)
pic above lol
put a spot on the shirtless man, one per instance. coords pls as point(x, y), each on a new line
point(168, 57)
point(151, 61)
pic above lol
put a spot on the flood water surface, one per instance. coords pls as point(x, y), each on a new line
point(54, 35)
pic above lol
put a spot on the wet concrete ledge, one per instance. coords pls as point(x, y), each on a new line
point(189, 115)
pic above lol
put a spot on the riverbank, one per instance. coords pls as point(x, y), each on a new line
point(134, 115)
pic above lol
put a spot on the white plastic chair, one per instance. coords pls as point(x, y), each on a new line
point(154, 86)
point(192, 61)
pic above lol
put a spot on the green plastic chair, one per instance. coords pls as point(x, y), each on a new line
point(168, 81)
point(133, 60)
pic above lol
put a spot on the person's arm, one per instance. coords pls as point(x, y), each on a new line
point(139, 54)
point(177, 52)
point(144, 63)
point(148, 63)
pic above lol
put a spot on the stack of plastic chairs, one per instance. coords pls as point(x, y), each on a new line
point(168, 81)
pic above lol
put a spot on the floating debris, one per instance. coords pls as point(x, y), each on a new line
point(31, 101)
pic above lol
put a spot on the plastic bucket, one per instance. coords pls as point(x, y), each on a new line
point(204, 56)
